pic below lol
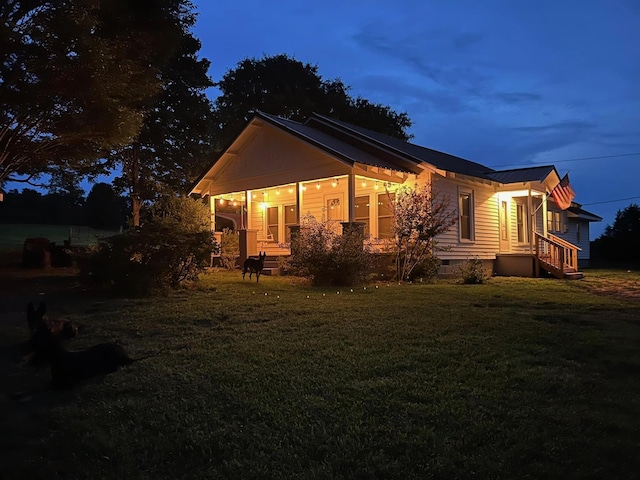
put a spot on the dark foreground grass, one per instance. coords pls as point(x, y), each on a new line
point(520, 378)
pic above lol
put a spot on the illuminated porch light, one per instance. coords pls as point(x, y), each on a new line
point(376, 186)
point(334, 183)
point(277, 191)
point(318, 186)
point(364, 183)
point(263, 205)
point(221, 201)
point(290, 189)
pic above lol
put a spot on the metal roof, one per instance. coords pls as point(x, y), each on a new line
point(530, 174)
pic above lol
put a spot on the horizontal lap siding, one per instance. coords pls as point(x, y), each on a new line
point(485, 216)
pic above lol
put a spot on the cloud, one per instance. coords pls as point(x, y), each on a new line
point(517, 97)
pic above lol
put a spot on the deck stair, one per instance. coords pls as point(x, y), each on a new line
point(557, 256)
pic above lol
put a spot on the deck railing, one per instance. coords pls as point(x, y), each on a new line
point(556, 255)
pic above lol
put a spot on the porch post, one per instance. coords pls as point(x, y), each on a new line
point(248, 224)
point(248, 243)
point(544, 216)
point(531, 224)
point(298, 202)
point(351, 197)
point(212, 208)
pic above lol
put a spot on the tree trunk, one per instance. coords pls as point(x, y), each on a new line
point(134, 169)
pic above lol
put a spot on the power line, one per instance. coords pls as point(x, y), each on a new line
point(573, 159)
point(610, 201)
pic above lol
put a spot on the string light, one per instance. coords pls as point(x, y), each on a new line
point(364, 184)
point(376, 186)
point(221, 201)
point(334, 183)
point(290, 189)
point(318, 185)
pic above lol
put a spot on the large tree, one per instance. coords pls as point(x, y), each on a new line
point(619, 242)
point(175, 140)
point(284, 86)
point(75, 78)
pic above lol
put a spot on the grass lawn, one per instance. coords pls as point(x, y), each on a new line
point(13, 235)
point(519, 378)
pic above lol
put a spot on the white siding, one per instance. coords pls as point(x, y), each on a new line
point(485, 243)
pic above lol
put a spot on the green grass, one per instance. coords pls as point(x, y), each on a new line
point(519, 378)
point(12, 236)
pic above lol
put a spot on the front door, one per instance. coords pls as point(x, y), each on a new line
point(504, 227)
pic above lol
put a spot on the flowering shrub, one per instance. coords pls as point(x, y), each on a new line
point(420, 214)
point(321, 254)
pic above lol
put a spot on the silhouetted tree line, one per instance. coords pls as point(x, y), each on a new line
point(620, 242)
point(102, 208)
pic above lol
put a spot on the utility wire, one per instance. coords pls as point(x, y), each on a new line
point(610, 201)
point(571, 159)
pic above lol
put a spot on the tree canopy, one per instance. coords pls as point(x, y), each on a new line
point(284, 86)
point(619, 242)
point(76, 77)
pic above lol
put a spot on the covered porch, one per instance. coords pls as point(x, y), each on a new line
point(264, 217)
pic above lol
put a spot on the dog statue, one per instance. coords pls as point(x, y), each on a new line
point(254, 265)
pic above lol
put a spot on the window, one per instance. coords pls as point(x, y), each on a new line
point(362, 212)
point(521, 222)
point(465, 207)
point(290, 218)
point(578, 233)
point(385, 215)
point(272, 223)
point(554, 222)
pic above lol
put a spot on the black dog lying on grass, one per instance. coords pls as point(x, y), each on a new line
point(69, 368)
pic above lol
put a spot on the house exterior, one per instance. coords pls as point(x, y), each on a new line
point(278, 170)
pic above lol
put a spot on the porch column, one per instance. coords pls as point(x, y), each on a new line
point(248, 243)
point(248, 195)
point(298, 202)
point(531, 224)
point(351, 197)
point(212, 208)
point(544, 216)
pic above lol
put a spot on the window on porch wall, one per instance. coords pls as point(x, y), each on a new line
point(290, 218)
point(272, 223)
point(385, 215)
point(362, 212)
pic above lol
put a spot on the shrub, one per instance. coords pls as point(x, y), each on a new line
point(326, 257)
point(173, 247)
point(472, 271)
point(229, 249)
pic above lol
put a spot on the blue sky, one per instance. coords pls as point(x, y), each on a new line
point(505, 83)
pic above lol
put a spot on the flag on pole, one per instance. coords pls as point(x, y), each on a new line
point(563, 194)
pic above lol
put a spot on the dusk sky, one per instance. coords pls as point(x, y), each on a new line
point(504, 83)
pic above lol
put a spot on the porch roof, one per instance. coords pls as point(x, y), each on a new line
point(517, 175)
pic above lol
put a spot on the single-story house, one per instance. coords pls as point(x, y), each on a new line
point(277, 170)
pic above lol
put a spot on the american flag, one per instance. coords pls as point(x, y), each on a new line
point(563, 194)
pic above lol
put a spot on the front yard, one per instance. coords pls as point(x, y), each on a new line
point(519, 378)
